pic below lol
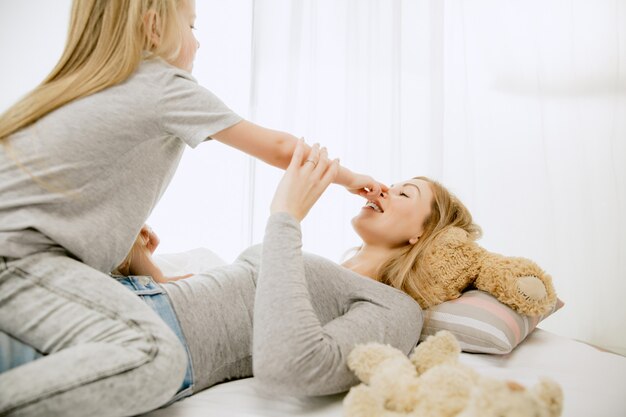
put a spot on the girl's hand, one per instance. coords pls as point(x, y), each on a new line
point(366, 186)
point(304, 181)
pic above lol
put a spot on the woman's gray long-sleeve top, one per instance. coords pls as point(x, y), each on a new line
point(308, 314)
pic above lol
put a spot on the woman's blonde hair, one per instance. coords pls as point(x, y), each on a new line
point(402, 271)
point(107, 40)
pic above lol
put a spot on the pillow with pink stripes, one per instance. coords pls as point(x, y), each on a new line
point(481, 323)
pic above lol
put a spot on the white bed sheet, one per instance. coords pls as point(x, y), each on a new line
point(593, 381)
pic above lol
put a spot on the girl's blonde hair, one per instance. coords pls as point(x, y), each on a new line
point(107, 40)
point(402, 271)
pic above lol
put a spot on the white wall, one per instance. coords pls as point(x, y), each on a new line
point(30, 44)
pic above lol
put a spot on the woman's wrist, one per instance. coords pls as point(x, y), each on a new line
point(141, 263)
point(287, 212)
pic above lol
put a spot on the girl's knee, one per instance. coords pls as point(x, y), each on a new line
point(162, 376)
point(173, 365)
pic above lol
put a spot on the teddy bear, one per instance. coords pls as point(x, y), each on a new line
point(433, 383)
point(455, 262)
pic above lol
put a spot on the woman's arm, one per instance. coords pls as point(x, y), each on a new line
point(293, 351)
point(276, 148)
point(139, 260)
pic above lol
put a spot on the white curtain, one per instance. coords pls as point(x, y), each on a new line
point(535, 140)
point(347, 74)
point(519, 107)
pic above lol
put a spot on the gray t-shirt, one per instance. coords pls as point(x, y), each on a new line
point(308, 315)
point(93, 170)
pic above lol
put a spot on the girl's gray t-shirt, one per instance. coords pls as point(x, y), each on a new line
point(89, 173)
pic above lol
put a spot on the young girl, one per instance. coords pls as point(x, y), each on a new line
point(84, 159)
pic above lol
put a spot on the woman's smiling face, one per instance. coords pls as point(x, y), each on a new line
point(395, 218)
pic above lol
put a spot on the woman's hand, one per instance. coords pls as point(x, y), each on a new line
point(150, 237)
point(140, 260)
point(304, 181)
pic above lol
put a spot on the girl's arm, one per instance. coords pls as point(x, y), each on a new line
point(276, 148)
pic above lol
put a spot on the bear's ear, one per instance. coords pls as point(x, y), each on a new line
point(435, 350)
point(452, 237)
point(551, 394)
point(365, 359)
point(450, 263)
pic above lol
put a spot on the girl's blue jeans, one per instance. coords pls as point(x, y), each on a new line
point(74, 341)
point(14, 353)
point(157, 299)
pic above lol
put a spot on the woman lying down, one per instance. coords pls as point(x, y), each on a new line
point(291, 318)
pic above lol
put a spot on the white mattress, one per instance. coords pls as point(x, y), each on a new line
point(594, 384)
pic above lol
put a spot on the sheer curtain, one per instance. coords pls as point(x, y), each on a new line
point(518, 107)
point(535, 140)
point(347, 74)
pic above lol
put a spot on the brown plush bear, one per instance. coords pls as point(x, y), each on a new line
point(454, 262)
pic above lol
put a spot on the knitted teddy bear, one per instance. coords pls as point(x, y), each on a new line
point(454, 262)
point(432, 383)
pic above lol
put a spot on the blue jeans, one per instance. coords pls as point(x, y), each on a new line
point(89, 343)
point(14, 352)
point(153, 295)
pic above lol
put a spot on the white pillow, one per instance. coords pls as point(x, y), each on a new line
point(191, 262)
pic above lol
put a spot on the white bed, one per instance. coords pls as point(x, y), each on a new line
point(593, 381)
point(594, 384)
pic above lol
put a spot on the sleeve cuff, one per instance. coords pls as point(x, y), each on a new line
point(283, 218)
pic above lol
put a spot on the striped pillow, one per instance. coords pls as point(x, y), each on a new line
point(481, 323)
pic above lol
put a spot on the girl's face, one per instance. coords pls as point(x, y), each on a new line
point(396, 217)
point(189, 46)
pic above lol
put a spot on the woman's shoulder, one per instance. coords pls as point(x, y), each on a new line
point(326, 269)
point(251, 256)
